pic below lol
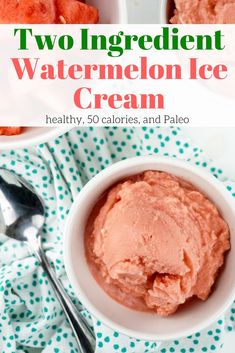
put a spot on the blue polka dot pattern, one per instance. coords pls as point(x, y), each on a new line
point(30, 315)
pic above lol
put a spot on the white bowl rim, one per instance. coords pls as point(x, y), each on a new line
point(123, 12)
point(163, 14)
point(48, 133)
point(141, 160)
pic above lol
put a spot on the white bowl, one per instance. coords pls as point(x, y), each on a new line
point(164, 9)
point(31, 136)
point(190, 318)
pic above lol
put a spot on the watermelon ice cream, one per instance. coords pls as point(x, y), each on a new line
point(154, 241)
point(204, 12)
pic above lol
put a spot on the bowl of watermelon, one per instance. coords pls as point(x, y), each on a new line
point(62, 11)
point(54, 12)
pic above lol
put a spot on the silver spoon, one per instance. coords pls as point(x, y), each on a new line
point(21, 218)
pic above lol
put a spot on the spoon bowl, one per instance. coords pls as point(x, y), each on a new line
point(22, 209)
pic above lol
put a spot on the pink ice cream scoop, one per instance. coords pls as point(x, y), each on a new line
point(204, 12)
point(154, 241)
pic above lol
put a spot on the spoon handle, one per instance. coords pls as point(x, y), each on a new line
point(83, 333)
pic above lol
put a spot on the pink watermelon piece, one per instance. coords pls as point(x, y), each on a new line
point(74, 11)
point(47, 12)
point(10, 130)
point(27, 11)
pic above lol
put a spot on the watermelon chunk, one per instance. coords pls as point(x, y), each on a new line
point(47, 12)
point(5, 130)
point(74, 11)
point(27, 11)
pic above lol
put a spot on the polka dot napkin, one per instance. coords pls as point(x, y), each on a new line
point(31, 319)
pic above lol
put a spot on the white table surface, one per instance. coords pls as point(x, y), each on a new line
point(218, 143)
